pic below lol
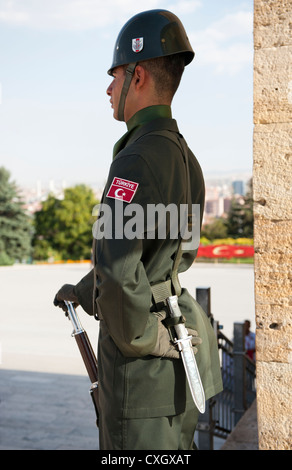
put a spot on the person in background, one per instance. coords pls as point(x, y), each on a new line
point(249, 340)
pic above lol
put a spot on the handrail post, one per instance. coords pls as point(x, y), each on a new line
point(205, 425)
point(203, 296)
point(239, 371)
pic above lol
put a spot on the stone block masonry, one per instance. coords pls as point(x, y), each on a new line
point(272, 186)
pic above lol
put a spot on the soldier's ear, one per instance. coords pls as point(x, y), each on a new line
point(139, 76)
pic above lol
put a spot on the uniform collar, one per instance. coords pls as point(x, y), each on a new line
point(148, 114)
point(140, 122)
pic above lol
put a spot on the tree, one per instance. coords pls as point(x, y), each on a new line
point(15, 224)
point(63, 227)
point(216, 229)
point(240, 217)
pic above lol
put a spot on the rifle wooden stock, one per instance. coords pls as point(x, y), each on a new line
point(90, 362)
point(87, 355)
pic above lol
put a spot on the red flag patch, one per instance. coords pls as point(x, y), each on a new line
point(121, 189)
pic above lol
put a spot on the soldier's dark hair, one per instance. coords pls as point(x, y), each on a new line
point(166, 72)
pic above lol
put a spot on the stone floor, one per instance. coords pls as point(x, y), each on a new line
point(44, 411)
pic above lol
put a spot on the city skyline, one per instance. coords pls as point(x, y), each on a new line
point(219, 192)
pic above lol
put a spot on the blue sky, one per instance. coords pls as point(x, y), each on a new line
point(55, 118)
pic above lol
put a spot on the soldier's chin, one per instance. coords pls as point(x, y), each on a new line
point(116, 117)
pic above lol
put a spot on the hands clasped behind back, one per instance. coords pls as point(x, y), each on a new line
point(164, 346)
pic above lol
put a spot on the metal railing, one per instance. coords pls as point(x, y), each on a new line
point(238, 375)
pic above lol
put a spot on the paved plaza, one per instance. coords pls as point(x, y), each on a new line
point(44, 387)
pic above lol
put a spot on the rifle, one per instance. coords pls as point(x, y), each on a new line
point(87, 354)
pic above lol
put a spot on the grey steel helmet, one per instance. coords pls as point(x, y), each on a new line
point(148, 35)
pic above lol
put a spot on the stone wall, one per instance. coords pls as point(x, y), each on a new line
point(272, 185)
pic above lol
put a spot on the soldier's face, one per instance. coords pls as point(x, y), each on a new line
point(115, 88)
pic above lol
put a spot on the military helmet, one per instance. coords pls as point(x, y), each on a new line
point(151, 34)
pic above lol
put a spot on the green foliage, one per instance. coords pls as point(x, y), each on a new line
point(216, 229)
point(240, 216)
point(64, 226)
point(15, 224)
point(5, 260)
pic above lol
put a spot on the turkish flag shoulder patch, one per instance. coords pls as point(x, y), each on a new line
point(121, 189)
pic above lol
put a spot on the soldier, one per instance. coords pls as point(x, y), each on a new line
point(145, 401)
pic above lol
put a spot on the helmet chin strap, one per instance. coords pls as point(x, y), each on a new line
point(129, 75)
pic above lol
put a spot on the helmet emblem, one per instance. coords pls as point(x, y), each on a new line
point(137, 44)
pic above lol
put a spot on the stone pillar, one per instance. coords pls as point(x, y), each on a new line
point(272, 185)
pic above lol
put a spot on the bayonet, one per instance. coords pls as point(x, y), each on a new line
point(184, 343)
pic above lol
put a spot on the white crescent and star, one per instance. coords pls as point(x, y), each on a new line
point(117, 193)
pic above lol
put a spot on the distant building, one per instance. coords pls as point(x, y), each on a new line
point(238, 187)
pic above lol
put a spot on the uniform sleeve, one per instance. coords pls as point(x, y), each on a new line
point(124, 293)
point(84, 292)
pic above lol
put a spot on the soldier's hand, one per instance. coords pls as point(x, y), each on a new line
point(196, 340)
point(164, 346)
point(66, 293)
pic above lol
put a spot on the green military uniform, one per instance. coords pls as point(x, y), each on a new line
point(135, 386)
